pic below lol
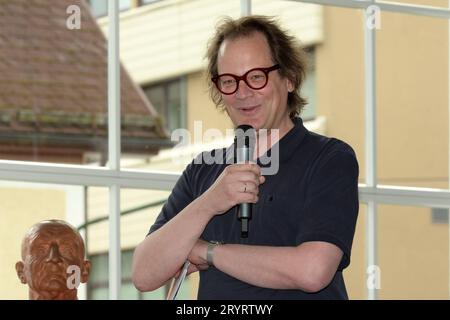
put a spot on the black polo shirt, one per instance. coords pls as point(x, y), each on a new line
point(312, 197)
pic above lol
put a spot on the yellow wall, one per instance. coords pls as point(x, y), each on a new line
point(200, 107)
point(22, 207)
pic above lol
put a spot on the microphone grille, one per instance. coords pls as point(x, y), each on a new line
point(244, 136)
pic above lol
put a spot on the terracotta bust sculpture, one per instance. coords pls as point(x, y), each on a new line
point(53, 263)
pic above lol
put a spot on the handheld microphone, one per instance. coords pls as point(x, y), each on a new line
point(244, 142)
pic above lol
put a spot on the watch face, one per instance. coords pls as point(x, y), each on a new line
point(209, 251)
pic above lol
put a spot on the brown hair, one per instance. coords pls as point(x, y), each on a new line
point(285, 51)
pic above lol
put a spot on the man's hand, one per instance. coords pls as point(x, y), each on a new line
point(238, 183)
point(197, 256)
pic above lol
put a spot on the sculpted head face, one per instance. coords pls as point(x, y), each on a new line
point(52, 260)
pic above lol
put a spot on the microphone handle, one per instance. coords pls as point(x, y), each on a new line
point(244, 215)
point(244, 209)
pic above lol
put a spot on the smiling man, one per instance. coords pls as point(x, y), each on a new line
point(53, 261)
point(304, 215)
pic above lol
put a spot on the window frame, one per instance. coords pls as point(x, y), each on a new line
point(181, 82)
point(115, 178)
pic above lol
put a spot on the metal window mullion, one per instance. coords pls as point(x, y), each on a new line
point(114, 148)
point(370, 145)
point(114, 257)
point(405, 196)
point(246, 8)
point(34, 172)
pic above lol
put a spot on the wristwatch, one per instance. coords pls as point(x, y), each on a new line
point(210, 251)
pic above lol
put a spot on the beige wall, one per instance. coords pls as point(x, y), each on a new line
point(21, 208)
point(200, 107)
point(412, 134)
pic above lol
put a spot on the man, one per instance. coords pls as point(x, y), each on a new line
point(53, 262)
point(304, 216)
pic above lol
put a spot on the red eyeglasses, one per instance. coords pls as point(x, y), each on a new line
point(256, 79)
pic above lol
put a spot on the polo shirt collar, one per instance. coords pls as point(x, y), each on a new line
point(292, 140)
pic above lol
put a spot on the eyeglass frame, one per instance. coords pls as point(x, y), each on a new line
point(238, 79)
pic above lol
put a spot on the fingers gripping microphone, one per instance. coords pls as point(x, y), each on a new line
point(244, 143)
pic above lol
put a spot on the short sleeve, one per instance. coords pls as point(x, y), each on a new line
point(331, 205)
point(178, 199)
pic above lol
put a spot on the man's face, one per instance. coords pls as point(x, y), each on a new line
point(47, 253)
point(264, 108)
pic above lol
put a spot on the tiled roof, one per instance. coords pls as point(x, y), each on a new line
point(53, 80)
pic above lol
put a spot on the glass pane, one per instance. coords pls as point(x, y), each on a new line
point(413, 254)
point(309, 88)
point(127, 259)
point(99, 271)
point(99, 7)
point(154, 295)
point(334, 87)
point(338, 78)
point(128, 291)
point(24, 205)
point(99, 294)
point(171, 76)
point(188, 290)
point(124, 4)
point(155, 104)
point(175, 106)
point(355, 275)
point(412, 107)
point(157, 95)
point(140, 209)
point(52, 84)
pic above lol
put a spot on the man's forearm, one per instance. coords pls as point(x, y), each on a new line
point(162, 253)
point(309, 267)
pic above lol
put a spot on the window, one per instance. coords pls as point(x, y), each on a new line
point(98, 281)
point(309, 87)
point(372, 194)
point(169, 100)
